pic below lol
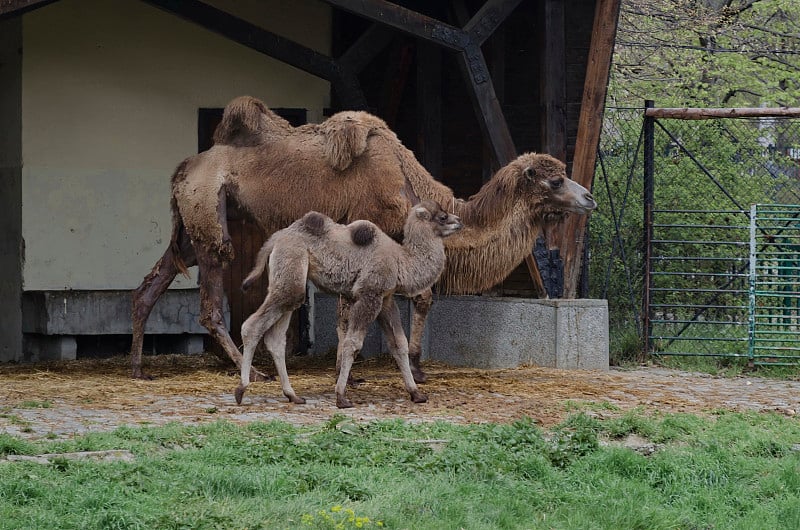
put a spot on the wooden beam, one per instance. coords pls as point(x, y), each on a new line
point(590, 124)
point(268, 43)
point(366, 48)
point(488, 19)
point(703, 114)
point(12, 8)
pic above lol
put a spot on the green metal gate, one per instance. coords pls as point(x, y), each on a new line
point(774, 336)
point(706, 298)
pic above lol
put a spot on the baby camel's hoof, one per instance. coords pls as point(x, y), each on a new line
point(239, 393)
point(419, 376)
point(343, 403)
point(141, 375)
point(296, 400)
point(419, 397)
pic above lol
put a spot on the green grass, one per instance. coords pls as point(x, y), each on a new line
point(731, 471)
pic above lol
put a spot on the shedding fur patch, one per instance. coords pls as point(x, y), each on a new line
point(362, 234)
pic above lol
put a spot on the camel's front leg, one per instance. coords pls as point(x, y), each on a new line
point(392, 327)
point(211, 315)
point(362, 313)
point(147, 294)
point(422, 305)
point(342, 321)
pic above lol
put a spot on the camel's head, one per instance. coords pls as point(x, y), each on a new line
point(544, 178)
point(444, 224)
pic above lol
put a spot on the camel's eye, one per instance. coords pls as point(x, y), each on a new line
point(442, 217)
point(556, 184)
point(529, 174)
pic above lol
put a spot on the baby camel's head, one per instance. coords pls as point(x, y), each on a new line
point(443, 223)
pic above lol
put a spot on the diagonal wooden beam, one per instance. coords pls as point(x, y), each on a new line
point(268, 43)
point(12, 8)
point(366, 48)
point(488, 19)
point(590, 120)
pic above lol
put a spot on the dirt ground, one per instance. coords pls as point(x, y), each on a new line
point(57, 400)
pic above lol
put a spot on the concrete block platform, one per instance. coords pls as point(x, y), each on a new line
point(493, 332)
point(54, 323)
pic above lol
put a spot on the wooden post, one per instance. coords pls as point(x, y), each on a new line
point(589, 127)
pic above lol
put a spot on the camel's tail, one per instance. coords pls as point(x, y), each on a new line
point(261, 264)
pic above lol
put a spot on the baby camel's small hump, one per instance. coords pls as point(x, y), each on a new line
point(314, 224)
point(362, 233)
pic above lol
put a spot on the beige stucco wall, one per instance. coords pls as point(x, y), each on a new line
point(110, 98)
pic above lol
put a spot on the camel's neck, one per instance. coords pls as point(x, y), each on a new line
point(422, 260)
point(482, 255)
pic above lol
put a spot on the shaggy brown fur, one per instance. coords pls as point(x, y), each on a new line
point(350, 167)
point(367, 273)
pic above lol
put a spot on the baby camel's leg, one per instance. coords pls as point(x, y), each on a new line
point(389, 320)
point(253, 329)
point(287, 289)
point(362, 314)
point(275, 341)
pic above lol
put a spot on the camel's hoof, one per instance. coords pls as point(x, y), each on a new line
point(239, 394)
point(419, 376)
point(343, 403)
point(296, 400)
point(141, 375)
point(419, 397)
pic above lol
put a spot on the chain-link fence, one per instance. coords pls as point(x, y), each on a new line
point(670, 241)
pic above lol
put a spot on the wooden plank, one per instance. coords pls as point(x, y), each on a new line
point(268, 43)
point(589, 127)
point(703, 114)
point(13, 8)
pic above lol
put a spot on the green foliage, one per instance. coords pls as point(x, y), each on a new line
point(707, 53)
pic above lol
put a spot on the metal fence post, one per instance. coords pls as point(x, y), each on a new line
point(751, 316)
point(649, 165)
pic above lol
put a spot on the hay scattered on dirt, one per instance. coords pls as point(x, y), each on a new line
point(186, 386)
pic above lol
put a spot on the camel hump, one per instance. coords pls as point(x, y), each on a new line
point(345, 136)
point(314, 224)
point(362, 233)
point(245, 122)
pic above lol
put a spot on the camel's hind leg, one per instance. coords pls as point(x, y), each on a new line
point(275, 341)
point(287, 289)
point(389, 320)
point(152, 287)
point(422, 305)
point(362, 313)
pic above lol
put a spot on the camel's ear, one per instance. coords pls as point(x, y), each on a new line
point(422, 213)
point(529, 173)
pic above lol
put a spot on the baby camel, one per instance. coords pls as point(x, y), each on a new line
point(363, 265)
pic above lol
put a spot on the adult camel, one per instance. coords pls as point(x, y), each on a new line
point(350, 167)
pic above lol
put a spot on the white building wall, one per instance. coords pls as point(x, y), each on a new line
point(110, 98)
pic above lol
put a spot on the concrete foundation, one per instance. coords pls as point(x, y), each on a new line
point(56, 323)
point(493, 332)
